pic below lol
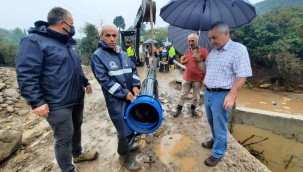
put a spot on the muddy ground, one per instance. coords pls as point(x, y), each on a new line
point(176, 146)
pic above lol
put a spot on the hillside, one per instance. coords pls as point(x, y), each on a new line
point(270, 5)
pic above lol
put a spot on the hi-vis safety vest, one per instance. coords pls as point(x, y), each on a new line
point(171, 52)
point(130, 52)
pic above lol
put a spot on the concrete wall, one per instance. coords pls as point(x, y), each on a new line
point(288, 125)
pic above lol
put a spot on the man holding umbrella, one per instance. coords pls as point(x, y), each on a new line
point(227, 67)
point(193, 74)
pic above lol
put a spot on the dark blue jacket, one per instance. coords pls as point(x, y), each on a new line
point(49, 69)
point(117, 75)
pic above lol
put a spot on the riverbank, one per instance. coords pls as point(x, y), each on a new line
point(176, 146)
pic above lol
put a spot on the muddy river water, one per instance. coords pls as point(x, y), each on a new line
point(277, 153)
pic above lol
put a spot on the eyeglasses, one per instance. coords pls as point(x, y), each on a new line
point(67, 23)
point(212, 37)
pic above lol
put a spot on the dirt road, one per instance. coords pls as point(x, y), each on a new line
point(176, 146)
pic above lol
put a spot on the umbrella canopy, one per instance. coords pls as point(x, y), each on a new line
point(149, 41)
point(201, 14)
point(178, 37)
point(166, 44)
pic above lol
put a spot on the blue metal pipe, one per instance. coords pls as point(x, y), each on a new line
point(144, 115)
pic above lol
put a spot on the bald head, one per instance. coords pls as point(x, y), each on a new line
point(192, 40)
point(193, 36)
point(109, 27)
point(109, 34)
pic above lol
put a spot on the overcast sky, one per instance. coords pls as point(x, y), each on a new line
point(23, 13)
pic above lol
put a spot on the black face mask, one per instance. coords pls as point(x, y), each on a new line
point(72, 31)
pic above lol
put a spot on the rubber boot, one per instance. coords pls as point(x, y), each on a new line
point(130, 162)
point(132, 142)
point(123, 146)
point(193, 110)
point(178, 111)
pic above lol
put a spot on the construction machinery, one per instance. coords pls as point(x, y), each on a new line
point(143, 15)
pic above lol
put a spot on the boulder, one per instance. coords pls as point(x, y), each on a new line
point(265, 85)
point(2, 86)
point(11, 93)
point(10, 141)
point(23, 112)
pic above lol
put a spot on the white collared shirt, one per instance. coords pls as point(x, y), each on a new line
point(225, 65)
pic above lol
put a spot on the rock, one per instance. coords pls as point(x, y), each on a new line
point(10, 141)
point(9, 109)
point(9, 102)
point(3, 105)
point(162, 95)
point(265, 85)
point(11, 93)
point(23, 112)
point(7, 82)
point(190, 96)
point(12, 99)
point(2, 86)
point(1, 100)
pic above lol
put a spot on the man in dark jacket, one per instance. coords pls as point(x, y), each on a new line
point(51, 80)
point(120, 84)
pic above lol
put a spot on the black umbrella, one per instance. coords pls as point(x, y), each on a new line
point(201, 14)
point(178, 38)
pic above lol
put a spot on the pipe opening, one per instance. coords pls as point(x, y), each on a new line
point(144, 115)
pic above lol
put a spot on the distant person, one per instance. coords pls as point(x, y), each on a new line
point(128, 42)
point(131, 53)
point(147, 55)
point(193, 75)
point(141, 52)
point(120, 84)
point(51, 80)
point(171, 54)
point(157, 52)
point(227, 67)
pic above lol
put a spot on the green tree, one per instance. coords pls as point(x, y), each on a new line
point(119, 22)
point(8, 53)
point(142, 28)
point(12, 37)
point(88, 44)
point(160, 34)
point(274, 40)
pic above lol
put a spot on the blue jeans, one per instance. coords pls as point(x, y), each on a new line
point(217, 118)
point(66, 126)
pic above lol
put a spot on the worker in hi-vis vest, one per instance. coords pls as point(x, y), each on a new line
point(131, 53)
point(171, 54)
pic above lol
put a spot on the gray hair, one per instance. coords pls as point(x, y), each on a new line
point(56, 14)
point(108, 26)
point(194, 35)
point(220, 26)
